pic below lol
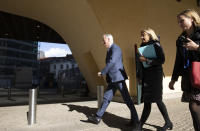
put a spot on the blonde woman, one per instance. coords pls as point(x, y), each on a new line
point(188, 50)
point(152, 78)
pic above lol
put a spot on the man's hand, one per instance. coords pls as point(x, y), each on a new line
point(99, 74)
point(191, 45)
point(171, 84)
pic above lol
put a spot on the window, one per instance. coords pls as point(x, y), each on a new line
point(67, 66)
point(54, 67)
point(61, 66)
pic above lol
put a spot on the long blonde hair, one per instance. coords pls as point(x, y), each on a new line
point(190, 13)
point(151, 33)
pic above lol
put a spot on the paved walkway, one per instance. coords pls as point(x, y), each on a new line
point(73, 116)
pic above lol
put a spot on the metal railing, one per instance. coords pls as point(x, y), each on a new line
point(9, 92)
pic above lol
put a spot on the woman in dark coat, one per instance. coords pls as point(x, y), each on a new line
point(152, 77)
point(188, 50)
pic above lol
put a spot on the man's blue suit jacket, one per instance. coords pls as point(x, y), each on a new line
point(114, 69)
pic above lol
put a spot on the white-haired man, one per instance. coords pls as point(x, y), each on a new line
point(115, 77)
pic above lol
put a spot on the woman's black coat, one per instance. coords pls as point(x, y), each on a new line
point(181, 59)
point(152, 76)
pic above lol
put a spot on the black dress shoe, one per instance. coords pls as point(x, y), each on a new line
point(167, 126)
point(94, 119)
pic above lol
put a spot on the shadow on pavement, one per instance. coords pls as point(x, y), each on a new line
point(111, 120)
point(158, 128)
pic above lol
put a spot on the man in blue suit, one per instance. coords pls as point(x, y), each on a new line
point(115, 77)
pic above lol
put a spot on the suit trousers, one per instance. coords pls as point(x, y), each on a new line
point(110, 92)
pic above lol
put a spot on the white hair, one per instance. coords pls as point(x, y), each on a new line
point(109, 36)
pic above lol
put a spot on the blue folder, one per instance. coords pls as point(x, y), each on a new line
point(147, 51)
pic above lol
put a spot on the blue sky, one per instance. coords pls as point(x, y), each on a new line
point(54, 49)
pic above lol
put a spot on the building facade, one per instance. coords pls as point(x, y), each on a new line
point(17, 57)
point(53, 70)
point(62, 64)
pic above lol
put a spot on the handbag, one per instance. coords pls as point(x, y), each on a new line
point(195, 74)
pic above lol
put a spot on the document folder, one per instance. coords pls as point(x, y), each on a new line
point(147, 51)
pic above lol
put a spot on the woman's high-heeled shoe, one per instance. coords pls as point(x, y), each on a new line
point(167, 126)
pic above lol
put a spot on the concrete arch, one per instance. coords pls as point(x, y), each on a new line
point(82, 22)
point(75, 22)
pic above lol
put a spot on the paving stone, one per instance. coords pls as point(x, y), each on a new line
point(72, 116)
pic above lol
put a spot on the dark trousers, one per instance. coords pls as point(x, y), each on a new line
point(147, 110)
point(110, 92)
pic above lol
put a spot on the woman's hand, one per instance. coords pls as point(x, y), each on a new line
point(171, 84)
point(142, 59)
point(191, 45)
point(139, 80)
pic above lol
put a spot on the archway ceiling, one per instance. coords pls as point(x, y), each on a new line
point(21, 28)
